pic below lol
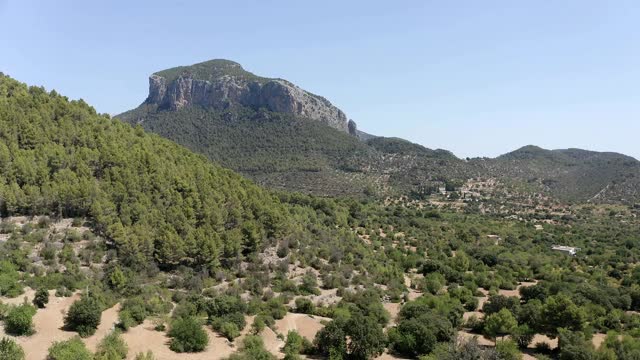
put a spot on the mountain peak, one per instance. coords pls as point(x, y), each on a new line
point(210, 70)
point(221, 84)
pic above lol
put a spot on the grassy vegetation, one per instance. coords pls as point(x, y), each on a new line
point(210, 70)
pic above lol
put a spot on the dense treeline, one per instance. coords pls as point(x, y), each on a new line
point(152, 198)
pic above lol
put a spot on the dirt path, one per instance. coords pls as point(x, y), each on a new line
point(271, 342)
point(393, 309)
point(107, 324)
point(413, 293)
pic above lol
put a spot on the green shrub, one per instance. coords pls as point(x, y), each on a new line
point(134, 310)
point(508, 350)
point(187, 335)
point(112, 347)
point(523, 335)
point(9, 350)
point(294, 344)
point(4, 310)
point(73, 349)
point(19, 320)
point(9, 280)
point(252, 349)
point(145, 356)
point(63, 292)
point(304, 306)
point(125, 320)
point(229, 330)
point(41, 298)
point(84, 316)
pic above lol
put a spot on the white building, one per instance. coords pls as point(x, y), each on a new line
point(566, 249)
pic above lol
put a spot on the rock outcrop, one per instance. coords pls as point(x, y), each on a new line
point(221, 84)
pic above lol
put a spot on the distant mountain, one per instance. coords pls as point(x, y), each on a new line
point(222, 84)
point(572, 174)
point(287, 138)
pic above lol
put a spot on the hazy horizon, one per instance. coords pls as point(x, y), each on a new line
point(475, 79)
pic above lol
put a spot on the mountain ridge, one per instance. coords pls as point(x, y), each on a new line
point(224, 112)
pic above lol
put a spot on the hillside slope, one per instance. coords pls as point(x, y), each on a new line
point(571, 174)
point(155, 200)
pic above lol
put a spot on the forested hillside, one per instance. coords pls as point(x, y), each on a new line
point(293, 153)
point(153, 198)
point(573, 175)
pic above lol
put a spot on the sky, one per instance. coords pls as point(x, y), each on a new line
point(478, 78)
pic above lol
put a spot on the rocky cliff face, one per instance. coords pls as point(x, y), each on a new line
point(222, 90)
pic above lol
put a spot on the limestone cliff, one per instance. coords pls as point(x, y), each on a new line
point(222, 83)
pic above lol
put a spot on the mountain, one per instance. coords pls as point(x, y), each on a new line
point(286, 138)
point(221, 84)
point(278, 134)
point(572, 174)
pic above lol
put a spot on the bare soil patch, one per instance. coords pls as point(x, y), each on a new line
point(48, 323)
point(304, 324)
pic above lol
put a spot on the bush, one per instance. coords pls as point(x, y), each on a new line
point(294, 344)
point(523, 335)
point(412, 337)
point(112, 347)
point(9, 350)
point(4, 310)
point(63, 292)
point(145, 356)
point(304, 306)
point(9, 276)
point(229, 330)
point(73, 349)
point(84, 316)
point(133, 313)
point(508, 350)
point(19, 320)
point(276, 308)
point(41, 298)
point(252, 349)
point(125, 320)
point(330, 340)
point(187, 335)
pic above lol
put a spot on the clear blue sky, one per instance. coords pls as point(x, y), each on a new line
point(480, 78)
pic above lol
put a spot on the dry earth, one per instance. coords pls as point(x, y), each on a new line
point(48, 325)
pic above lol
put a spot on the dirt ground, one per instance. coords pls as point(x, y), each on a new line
point(48, 324)
point(393, 309)
point(304, 324)
point(553, 343)
point(387, 356)
point(481, 340)
point(143, 338)
point(108, 322)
